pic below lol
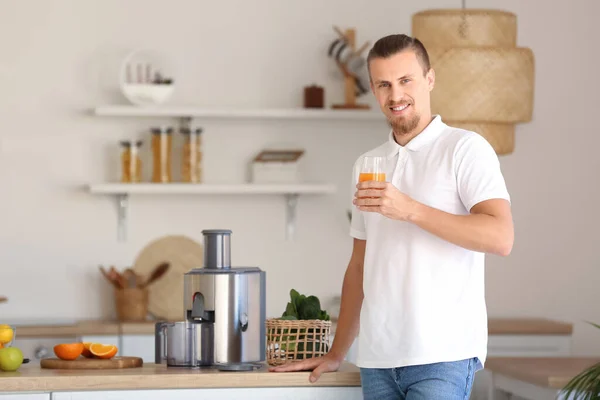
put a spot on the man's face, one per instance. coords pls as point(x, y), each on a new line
point(402, 90)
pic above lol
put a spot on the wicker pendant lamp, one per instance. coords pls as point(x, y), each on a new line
point(484, 82)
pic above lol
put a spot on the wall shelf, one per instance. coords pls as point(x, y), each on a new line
point(291, 192)
point(188, 112)
point(185, 114)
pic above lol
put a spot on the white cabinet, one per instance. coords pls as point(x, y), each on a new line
point(26, 396)
point(129, 345)
point(139, 346)
point(36, 348)
point(529, 345)
point(297, 393)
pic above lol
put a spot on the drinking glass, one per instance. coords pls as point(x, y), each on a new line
point(372, 169)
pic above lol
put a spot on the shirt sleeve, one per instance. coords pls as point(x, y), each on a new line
point(357, 225)
point(478, 172)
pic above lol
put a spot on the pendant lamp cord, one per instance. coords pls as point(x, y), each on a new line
point(462, 29)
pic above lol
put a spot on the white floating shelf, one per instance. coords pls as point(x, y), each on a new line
point(204, 188)
point(290, 191)
point(237, 113)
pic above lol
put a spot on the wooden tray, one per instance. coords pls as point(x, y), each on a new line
point(166, 294)
point(90, 363)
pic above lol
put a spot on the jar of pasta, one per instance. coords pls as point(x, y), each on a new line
point(162, 143)
point(131, 163)
point(191, 167)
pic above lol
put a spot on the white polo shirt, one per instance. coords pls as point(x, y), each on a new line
point(424, 296)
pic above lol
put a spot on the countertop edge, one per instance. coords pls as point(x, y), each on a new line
point(528, 326)
point(148, 377)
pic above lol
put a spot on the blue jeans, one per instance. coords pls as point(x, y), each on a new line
point(439, 381)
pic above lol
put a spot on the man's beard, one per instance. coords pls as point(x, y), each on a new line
point(403, 126)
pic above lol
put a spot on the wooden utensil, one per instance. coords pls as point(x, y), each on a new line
point(116, 283)
point(156, 274)
point(118, 277)
point(90, 363)
point(130, 278)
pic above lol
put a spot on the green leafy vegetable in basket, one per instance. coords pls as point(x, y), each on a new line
point(304, 307)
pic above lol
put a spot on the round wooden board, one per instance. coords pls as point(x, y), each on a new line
point(91, 363)
point(166, 294)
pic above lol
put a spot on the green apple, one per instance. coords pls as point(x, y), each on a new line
point(11, 358)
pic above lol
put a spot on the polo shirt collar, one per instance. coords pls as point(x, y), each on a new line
point(429, 134)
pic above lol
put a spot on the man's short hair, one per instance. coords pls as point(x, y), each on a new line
point(390, 45)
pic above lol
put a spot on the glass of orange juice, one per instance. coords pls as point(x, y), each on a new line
point(372, 169)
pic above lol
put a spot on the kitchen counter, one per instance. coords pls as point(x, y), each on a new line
point(547, 372)
point(528, 326)
point(496, 326)
point(536, 378)
point(31, 378)
point(83, 328)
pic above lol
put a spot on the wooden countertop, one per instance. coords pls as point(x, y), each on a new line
point(152, 376)
point(86, 328)
point(496, 326)
point(547, 372)
point(528, 326)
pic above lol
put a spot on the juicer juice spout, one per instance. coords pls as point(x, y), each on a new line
point(199, 311)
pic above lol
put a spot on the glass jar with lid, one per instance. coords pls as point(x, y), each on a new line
point(191, 157)
point(162, 144)
point(131, 163)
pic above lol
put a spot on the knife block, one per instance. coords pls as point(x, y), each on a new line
point(349, 36)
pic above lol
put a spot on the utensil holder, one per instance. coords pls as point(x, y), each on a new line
point(291, 340)
point(131, 304)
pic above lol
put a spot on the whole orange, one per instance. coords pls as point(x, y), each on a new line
point(68, 351)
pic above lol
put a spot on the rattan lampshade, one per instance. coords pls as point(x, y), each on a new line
point(484, 82)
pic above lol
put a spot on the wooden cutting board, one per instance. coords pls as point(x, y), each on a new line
point(166, 294)
point(89, 363)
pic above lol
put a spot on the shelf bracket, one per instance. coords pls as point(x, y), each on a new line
point(122, 213)
point(291, 200)
point(185, 123)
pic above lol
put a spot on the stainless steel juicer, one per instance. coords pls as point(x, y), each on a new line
point(224, 307)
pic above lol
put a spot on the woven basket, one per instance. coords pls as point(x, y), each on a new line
point(500, 136)
point(291, 340)
point(131, 304)
point(483, 84)
point(465, 28)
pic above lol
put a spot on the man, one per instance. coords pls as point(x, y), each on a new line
point(415, 280)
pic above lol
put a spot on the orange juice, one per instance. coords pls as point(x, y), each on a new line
point(371, 176)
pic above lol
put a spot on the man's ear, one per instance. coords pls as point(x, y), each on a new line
point(431, 79)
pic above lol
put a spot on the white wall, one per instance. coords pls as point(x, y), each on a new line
point(59, 59)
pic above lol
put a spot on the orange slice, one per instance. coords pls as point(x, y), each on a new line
point(103, 350)
point(86, 350)
point(68, 351)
